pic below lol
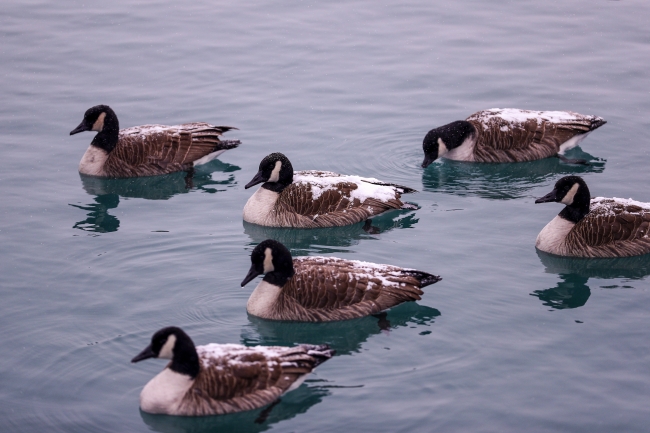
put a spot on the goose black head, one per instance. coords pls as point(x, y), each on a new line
point(173, 343)
point(574, 193)
point(441, 140)
point(272, 259)
point(275, 171)
point(103, 120)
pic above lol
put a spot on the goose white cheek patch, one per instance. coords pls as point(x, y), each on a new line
point(167, 351)
point(275, 174)
point(442, 149)
point(568, 198)
point(268, 260)
point(99, 123)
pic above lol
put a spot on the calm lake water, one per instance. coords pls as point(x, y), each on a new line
point(509, 341)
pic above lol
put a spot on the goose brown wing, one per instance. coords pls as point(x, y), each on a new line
point(239, 378)
point(157, 149)
point(533, 137)
point(336, 204)
point(328, 288)
point(612, 228)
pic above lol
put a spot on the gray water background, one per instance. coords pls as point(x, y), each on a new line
point(509, 341)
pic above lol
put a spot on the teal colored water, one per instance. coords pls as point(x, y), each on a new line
point(510, 340)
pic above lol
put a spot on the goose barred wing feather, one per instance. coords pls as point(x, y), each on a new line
point(324, 199)
point(612, 228)
point(157, 149)
point(523, 135)
point(235, 378)
point(328, 288)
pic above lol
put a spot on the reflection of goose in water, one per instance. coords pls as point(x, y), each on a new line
point(343, 336)
point(259, 420)
point(502, 181)
point(98, 220)
point(326, 240)
point(107, 192)
point(573, 291)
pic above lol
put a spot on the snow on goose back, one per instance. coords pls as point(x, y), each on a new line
point(509, 135)
point(313, 199)
point(222, 378)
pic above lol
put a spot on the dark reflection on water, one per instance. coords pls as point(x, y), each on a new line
point(258, 420)
point(573, 291)
point(107, 192)
point(328, 240)
point(98, 219)
point(503, 181)
point(346, 336)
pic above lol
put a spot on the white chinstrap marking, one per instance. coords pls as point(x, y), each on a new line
point(442, 149)
point(259, 207)
point(99, 123)
point(92, 163)
point(275, 174)
point(262, 299)
point(568, 198)
point(551, 238)
point(164, 392)
point(167, 351)
point(268, 261)
point(464, 152)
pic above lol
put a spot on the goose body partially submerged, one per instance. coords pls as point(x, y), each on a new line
point(313, 199)
point(508, 135)
point(217, 379)
point(599, 227)
point(323, 289)
point(147, 150)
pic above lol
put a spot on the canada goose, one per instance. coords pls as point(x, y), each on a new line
point(217, 379)
point(322, 289)
point(311, 199)
point(147, 150)
point(599, 227)
point(509, 135)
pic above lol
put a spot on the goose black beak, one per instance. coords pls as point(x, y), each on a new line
point(145, 354)
point(81, 128)
point(550, 197)
point(259, 178)
point(427, 161)
point(252, 273)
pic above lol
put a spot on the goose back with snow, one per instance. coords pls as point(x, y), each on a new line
point(147, 150)
point(599, 227)
point(508, 135)
point(312, 199)
point(218, 379)
point(321, 289)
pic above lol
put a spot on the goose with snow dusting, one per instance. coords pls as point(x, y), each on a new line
point(217, 379)
point(509, 135)
point(312, 199)
point(599, 227)
point(324, 289)
point(147, 150)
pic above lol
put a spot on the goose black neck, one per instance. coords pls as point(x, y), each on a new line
point(579, 208)
point(185, 360)
point(279, 277)
point(107, 138)
point(278, 186)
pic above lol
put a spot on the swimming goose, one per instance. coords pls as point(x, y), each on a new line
point(599, 227)
point(509, 135)
point(311, 199)
point(323, 289)
point(147, 150)
point(217, 379)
